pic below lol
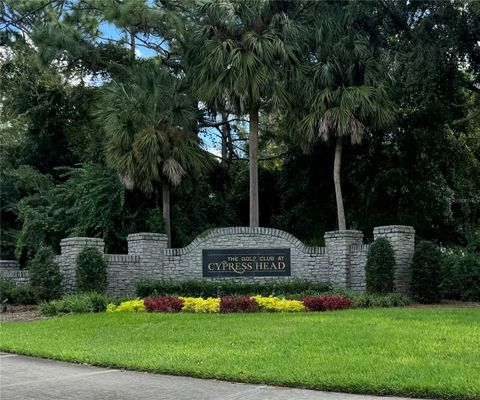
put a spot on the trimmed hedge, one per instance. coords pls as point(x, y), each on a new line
point(426, 267)
point(45, 277)
point(380, 267)
point(212, 289)
point(91, 272)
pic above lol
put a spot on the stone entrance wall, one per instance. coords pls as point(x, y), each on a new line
point(341, 262)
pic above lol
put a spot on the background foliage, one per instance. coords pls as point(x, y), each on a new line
point(422, 170)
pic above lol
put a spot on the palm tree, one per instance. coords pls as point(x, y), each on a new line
point(234, 58)
point(150, 124)
point(344, 92)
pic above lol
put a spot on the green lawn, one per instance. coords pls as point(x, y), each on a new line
point(413, 352)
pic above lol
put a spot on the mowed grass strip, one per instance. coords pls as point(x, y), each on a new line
point(411, 352)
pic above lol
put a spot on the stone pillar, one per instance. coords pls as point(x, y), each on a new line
point(337, 245)
point(67, 260)
point(150, 247)
point(402, 239)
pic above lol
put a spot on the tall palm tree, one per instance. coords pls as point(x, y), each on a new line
point(345, 91)
point(150, 124)
point(234, 57)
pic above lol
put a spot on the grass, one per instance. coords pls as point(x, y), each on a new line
point(412, 352)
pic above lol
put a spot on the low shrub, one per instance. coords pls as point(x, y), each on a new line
point(372, 300)
point(200, 305)
point(242, 304)
point(23, 294)
point(163, 304)
point(76, 303)
point(91, 272)
point(426, 267)
point(326, 303)
point(277, 304)
point(16, 294)
point(380, 267)
point(45, 277)
point(136, 305)
point(204, 289)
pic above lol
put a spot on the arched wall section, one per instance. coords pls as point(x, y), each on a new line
point(306, 262)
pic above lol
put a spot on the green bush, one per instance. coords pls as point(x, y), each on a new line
point(380, 267)
point(23, 294)
point(460, 276)
point(426, 267)
point(91, 273)
point(469, 277)
point(45, 277)
point(77, 303)
point(209, 288)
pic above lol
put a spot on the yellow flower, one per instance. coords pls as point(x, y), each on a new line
point(276, 304)
point(111, 307)
point(130, 305)
point(200, 305)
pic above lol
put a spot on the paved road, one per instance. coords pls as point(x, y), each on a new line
point(23, 378)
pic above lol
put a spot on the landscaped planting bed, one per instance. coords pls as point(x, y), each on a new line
point(228, 304)
point(424, 352)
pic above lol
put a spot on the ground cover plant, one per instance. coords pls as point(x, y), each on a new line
point(163, 304)
point(423, 352)
point(76, 303)
point(238, 304)
point(326, 303)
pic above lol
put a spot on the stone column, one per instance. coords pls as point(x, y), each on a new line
point(402, 239)
point(150, 247)
point(67, 260)
point(337, 245)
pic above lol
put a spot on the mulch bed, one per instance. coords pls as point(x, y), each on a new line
point(21, 314)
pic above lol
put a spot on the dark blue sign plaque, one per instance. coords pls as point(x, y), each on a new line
point(245, 262)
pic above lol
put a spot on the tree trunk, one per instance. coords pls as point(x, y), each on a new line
point(225, 130)
point(166, 211)
point(337, 165)
point(253, 156)
point(132, 44)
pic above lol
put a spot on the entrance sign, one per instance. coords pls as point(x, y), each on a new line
point(245, 262)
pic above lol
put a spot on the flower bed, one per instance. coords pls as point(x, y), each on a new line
point(229, 304)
